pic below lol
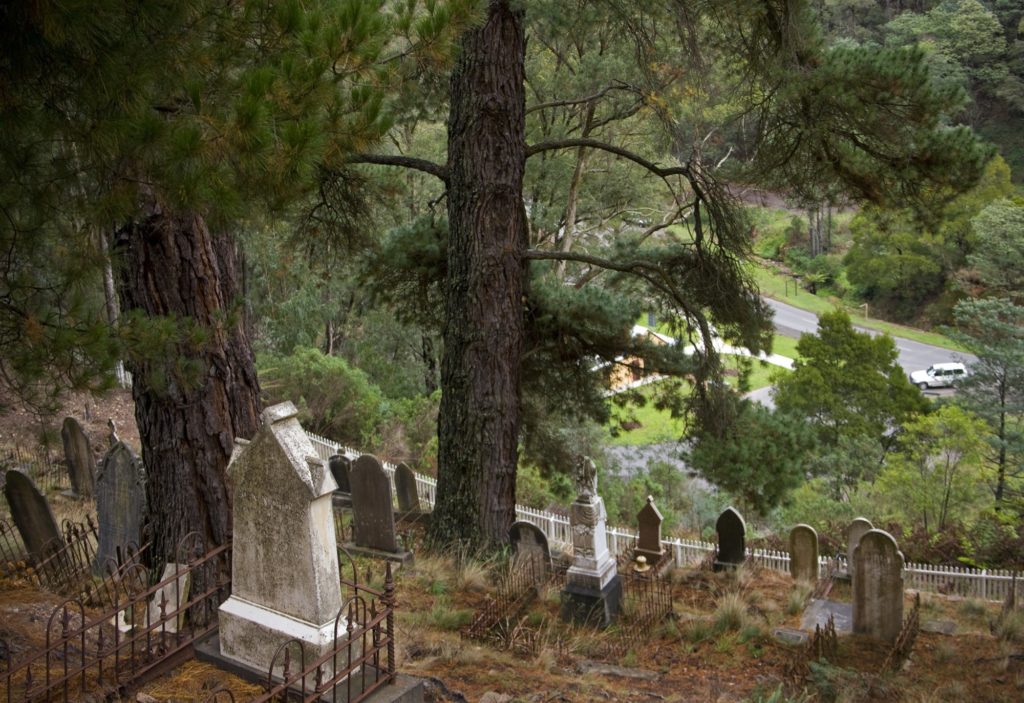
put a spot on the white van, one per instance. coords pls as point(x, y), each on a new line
point(939, 375)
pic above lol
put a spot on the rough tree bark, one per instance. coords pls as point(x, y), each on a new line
point(189, 408)
point(478, 423)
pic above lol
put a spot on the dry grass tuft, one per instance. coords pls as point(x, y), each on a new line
point(196, 680)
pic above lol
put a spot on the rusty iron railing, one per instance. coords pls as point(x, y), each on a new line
point(13, 558)
point(46, 468)
point(100, 654)
point(360, 662)
point(69, 565)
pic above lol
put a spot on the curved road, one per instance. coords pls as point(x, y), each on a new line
point(793, 322)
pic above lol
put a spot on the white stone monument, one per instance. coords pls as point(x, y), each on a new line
point(284, 573)
point(593, 590)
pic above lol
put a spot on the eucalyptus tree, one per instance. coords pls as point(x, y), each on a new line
point(868, 119)
point(175, 125)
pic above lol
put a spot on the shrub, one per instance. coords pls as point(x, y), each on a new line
point(334, 399)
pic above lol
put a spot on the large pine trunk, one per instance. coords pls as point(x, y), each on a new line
point(478, 423)
point(193, 397)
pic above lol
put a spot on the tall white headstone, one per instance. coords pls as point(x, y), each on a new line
point(593, 590)
point(285, 582)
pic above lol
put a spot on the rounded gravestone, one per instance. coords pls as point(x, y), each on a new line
point(803, 553)
point(530, 547)
point(78, 454)
point(878, 586)
point(373, 516)
point(340, 465)
point(732, 540)
point(31, 514)
point(857, 529)
point(405, 489)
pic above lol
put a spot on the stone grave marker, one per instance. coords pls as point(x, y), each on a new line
point(878, 586)
point(284, 566)
point(78, 454)
point(340, 466)
point(530, 547)
point(173, 595)
point(648, 543)
point(373, 516)
point(120, 505)
point(405, 489)
point(32, 515)
point(593, 589)
point(732, 539)
point(803, 553)
point(857, 529)
point(819, 611)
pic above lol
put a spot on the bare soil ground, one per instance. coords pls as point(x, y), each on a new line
point(19, 426)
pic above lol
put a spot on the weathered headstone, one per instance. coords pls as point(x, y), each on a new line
point(803, 553)
point(78, 454)
point(373, 517)
point(120, 504)
point(878, 586)
point(648, 543)
point(593, 589)
point(32, 515)
point(857, 529)
point(405, 489)
point(530, 547)
point(340, 466)
point(284, 566)
point(732, 539)
point(170, 597)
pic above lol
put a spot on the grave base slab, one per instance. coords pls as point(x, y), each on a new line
point(251, 634)
point(405, 689)
point(586, 606)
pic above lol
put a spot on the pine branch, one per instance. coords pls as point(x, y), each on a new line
point(411, 162)
point(661, 172)
point(654, 274)
point(581, 101)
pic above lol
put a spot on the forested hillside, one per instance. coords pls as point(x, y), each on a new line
point(434, 225)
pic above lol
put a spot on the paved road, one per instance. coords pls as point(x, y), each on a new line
point(913, 355)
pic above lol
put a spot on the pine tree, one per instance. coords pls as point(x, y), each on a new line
point(173, 125)
point(816, 126)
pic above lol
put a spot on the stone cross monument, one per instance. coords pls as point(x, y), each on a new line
point(593, 590)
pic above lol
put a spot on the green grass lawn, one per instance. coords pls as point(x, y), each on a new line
point(655, 425)
point(659, 426)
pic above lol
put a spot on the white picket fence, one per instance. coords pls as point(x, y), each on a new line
point(975, 583)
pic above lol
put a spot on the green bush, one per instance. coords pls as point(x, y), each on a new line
point(334, 399)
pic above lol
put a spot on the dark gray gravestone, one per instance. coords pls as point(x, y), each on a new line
point(340, 465)
point(803, 553)
point(78, 454)
point(373, 517)
point(530, 547)
point(120, 504)
point(32, 515)
point(878, 587)
point(648, 543)
point(405, 489)
point(732, 539)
